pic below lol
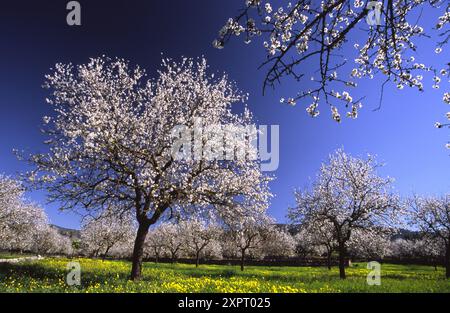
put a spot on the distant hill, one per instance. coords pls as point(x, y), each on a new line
point(73, 234)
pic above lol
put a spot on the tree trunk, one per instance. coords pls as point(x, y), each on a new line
point(447, 261)
point(105, 254)
point(242, 259)
point(138, 252)
point(329, 260)
point(96, 252)
point(197, 257)
point(342, 254)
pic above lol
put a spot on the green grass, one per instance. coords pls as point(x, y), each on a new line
point(8, 255)
point(111, 276)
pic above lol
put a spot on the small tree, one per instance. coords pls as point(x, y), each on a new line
point(350, 195)
point(432, 216)
point(103, 233)
point(172, 239)
point(199, 236)
point(49, 241)
point(317, 238)
point(369, 244)
point(430, 248)
point(278, 243)
point(247, 237)
point(401, 248)
point(154, 245)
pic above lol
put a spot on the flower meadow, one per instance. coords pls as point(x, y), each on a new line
point(97, 276)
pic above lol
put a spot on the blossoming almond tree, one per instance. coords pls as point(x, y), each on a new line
point(49, 241)
point(154, 244)
point(110, 142)
point(372, 244)
point(426, 248)
point(27, 222)
point(316, 237)
point(349, 194)
point(199, 236)
point(430, 248)
point(278, 243)
point(102, 233)
point(383, 33)
point(21, 222)
point(11, 193)
point(402, 248)
point(246, 237)
point(172, 239)
point(432, 215)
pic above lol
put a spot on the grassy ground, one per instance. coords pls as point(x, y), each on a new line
point(111, 276)
point(8, 255)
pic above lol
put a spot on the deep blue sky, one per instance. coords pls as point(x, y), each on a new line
point(34, 36)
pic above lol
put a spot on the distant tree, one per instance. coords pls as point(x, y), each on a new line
point(349, 194)
point(213, 251)
point(370, 244)
point(402, 248)
point(304, 247)
point(11, 200)
point(247, 237)
point(278, 243)
point(49, 241)
point(432, 215)
point(199, 236)
point(172, 239)
point(20, 220)
point(424, 248)
point(154, 244)
point(112, 144)
point(430, 248)
point(317, 238)
point(102, 233)
point(24, 226)
point(28, 221)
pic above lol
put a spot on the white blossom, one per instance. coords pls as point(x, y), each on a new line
point(111, 142)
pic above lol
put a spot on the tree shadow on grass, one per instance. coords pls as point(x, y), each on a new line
point(40, 272)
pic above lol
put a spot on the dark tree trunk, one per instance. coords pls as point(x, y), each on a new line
point(242, 259)
point(96, 252)
point(156, 255)
point(138, 251)
point(197, 257)
point(329, 260)
point(447, 260)
point(105, 254)
point(342, 255)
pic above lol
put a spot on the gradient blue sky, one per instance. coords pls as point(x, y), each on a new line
point(34, 36)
